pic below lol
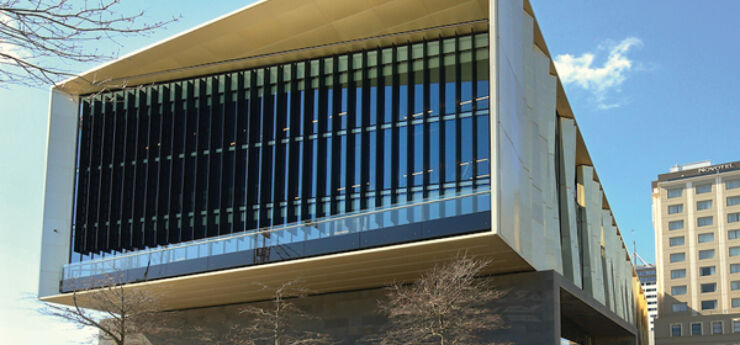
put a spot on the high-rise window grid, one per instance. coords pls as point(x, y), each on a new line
point(274, 145)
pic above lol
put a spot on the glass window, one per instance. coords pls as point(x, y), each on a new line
point(735, 268)
point(716, 327)
point(696, 328)
point(676, 241)
point(734, 251)
point(704, 188)
point(706, 254)
point(703, 205)
point(732, 184)
point(680, 273)
point(704, 221)
point(735, 325)
point(735, 285)
point(676, 330)
point(679, 307)
point(675, 192)
point(736, 302)
point(678, 290)
point(709, 304)
point(709, 287)
point(733, 217)
point(704, 238)
point(678, 257)
point(733, 200)
point(675, 225)
point(707, 271)
point(673, 209)
point(733, 234)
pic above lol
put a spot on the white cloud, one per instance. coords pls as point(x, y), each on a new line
point(7, 47)
point(599, 80)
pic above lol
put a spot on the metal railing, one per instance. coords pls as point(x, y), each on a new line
point(367, 220)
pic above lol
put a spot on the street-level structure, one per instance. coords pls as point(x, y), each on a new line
point(349, 144)
point(696, 215)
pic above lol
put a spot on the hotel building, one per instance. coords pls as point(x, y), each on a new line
point(696, 215)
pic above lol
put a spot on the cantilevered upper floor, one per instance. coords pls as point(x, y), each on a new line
point(345, 143)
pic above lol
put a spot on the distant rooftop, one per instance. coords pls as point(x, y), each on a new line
point(682, 171)
point(695, 165)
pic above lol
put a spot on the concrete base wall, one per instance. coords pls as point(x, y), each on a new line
point(529, 311)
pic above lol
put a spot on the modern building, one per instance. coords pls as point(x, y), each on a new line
point(696, 215)
point(349, 144)
point(647, 275)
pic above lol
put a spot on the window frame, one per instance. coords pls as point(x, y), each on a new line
point(714, 287)
point(701, 328)
point(670, 192)
point(699, 221)
point(721, 327)
point(705, 236)
point(675, 209)
point(671, 329)
point(698, 189)
point(671, 244)
point(685, 290)
point(709, 300)
point(678, 270)
point(682, 257)
point(710, 202)
point(713, 268)
point(699, 254)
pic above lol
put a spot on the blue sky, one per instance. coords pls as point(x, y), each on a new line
point(652, 84)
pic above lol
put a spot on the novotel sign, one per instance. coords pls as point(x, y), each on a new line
point(716, 168)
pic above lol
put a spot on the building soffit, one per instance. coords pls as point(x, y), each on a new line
point(278, 31)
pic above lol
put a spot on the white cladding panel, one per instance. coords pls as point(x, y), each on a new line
point(58, 190)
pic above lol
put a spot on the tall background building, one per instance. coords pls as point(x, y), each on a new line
point(348, 144)
point(649, 284)
point(696, 215)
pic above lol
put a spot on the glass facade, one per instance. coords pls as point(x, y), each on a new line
point(279, 145)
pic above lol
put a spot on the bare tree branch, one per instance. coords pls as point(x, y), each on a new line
point(38, 36)
point(447, 306)
point(117, 313)
point(281, 323)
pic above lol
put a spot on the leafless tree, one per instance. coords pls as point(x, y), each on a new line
point(447, 306)
point(120, 315)
point(281, 323)
point(38, 36)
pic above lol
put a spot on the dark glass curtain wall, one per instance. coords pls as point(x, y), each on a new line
point(240, 151)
